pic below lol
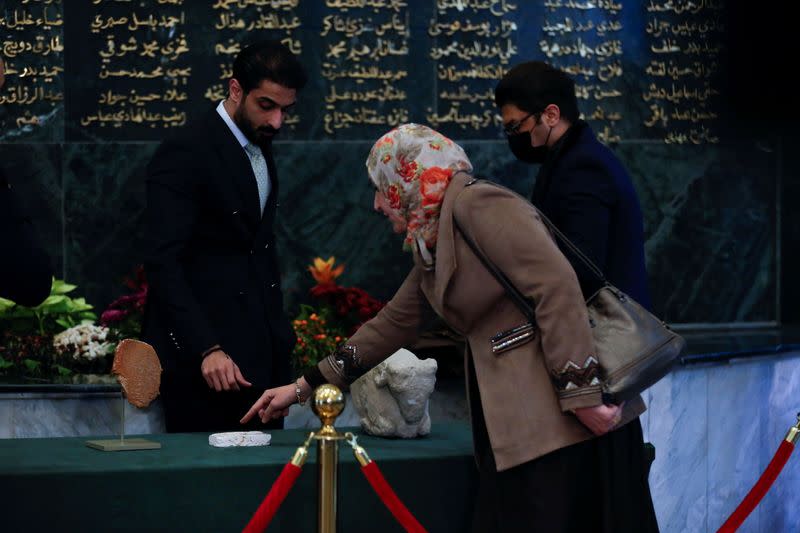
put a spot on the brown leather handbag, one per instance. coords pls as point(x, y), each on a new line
point(634, 348)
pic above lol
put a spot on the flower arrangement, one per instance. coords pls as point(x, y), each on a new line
point(352, 305)
point(337, 314)
point(58, 338)
point(125, 314)
point(30, 356)
point(59, 311)
point(317, 336)
point(87, 345)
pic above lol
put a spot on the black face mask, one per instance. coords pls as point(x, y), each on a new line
point(520, 145)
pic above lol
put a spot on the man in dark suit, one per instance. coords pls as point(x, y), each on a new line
point(25, 271)
point(581, 187)
point(215, 311)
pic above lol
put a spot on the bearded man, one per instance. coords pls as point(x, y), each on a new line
point(215, 308)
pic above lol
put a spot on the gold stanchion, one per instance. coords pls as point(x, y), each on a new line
point(328, 403)
point(794, 432)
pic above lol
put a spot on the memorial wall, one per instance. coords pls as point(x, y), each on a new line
point(94, 85)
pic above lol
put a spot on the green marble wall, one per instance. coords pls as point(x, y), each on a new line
point(712, 211)
point(709, 218)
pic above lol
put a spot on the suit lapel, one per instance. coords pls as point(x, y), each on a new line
point(239, 172)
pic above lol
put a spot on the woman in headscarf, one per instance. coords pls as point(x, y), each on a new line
point(537, 420)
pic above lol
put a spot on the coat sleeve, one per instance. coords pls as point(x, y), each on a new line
point(397, 325)
point(170, 216)
point(510, 233)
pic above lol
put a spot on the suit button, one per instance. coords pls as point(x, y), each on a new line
point(235, 213)
point(241, 293)
point(273, 285)
point(266, 246)
point(252, 252)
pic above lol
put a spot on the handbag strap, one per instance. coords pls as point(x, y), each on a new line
point(516, 296)
point(525, 304)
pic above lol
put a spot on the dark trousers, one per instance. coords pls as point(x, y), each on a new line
point(191, 406)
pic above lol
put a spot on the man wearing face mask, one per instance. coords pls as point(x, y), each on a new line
point(581, 186)
point(215, 308)
point(584, 190)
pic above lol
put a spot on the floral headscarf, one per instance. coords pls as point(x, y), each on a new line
point(412, 166)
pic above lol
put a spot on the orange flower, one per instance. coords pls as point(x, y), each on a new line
point(323, 270)
point(433, 183)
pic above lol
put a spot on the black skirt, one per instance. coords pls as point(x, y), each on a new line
point(599, 485)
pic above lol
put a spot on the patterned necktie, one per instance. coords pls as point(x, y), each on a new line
point(259, 165)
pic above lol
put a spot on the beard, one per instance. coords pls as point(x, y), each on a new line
point(261, 136)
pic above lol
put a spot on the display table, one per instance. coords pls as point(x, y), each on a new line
point(715, 421)
point(62, 485)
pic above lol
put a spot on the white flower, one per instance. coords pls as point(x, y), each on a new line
point(85, 341)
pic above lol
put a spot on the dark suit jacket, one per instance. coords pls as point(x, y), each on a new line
point(25, 271)
point(586, 192)
point(212, 264)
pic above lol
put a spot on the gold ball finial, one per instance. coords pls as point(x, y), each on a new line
point(328, 403)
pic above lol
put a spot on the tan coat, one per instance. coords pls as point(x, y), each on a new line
point(524, 413)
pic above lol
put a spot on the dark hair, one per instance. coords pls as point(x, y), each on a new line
point(533, 85)
point(268, 60)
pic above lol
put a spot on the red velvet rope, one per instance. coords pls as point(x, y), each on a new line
point(390, 499)
point(265, 512)
point(759, 489)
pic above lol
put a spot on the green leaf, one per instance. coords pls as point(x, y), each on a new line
point(31, 365)
point(61, 287)
point(5, 305)
point(51, 300)
point(79, 304)
point(5, 364)
point(63, 371)
point(65, 323)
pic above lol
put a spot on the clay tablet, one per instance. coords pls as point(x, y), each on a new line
point(138, 371)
